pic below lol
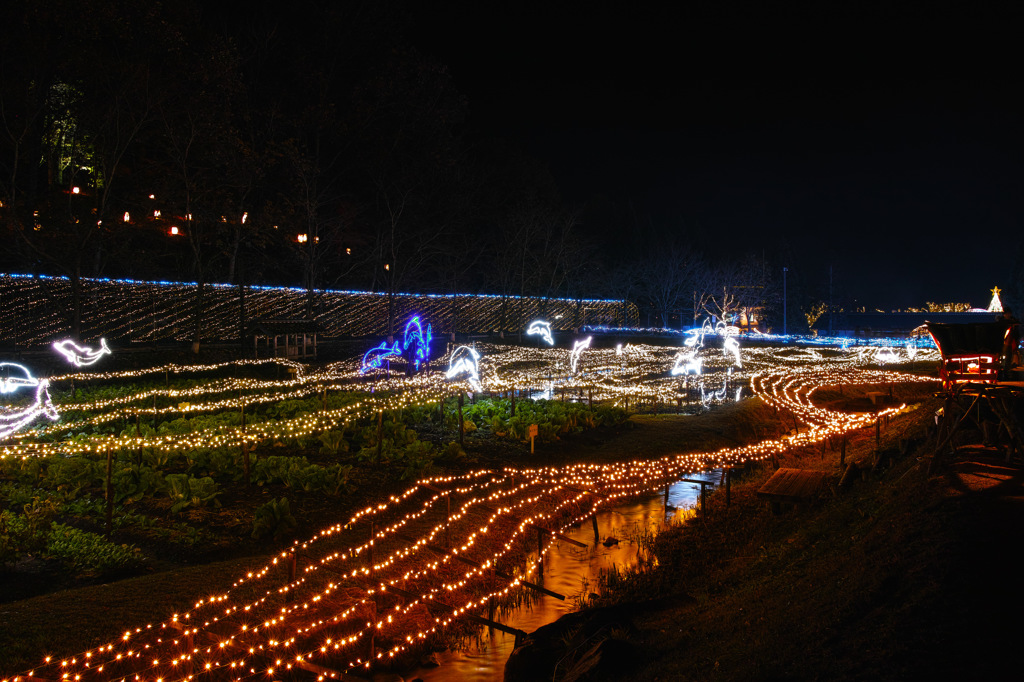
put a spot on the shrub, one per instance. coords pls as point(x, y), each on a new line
point(88, 553)
point(333, 442)
point(274, 519)
point(186, 491)
point(132, 482)
point(70, 475)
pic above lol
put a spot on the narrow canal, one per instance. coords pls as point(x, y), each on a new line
point(571, 571)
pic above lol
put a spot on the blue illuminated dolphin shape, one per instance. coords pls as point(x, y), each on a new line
point(378, 355)
point(418, 340)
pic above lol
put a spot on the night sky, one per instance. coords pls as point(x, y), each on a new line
point(887, 145)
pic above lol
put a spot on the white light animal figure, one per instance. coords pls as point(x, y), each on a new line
point(911, 350)
point(543, 328)
point(9, 384)
point(577, 350)
point(695, 336)
point(618, 349)
point(706, 399)
point(687, 363)
point(81, 356)
point(13, 420)
point(465, 360)
point(886, 355)
point(732, 345)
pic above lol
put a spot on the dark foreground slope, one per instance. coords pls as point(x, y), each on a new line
point(898, 576)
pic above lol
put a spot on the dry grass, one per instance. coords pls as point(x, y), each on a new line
point(67, 622)
point(894, 579)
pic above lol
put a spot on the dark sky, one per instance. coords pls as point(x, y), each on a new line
point(886, 144)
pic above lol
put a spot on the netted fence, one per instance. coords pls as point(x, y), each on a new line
point(36, 310)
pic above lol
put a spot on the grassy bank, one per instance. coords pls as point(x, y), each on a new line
point(897, 576)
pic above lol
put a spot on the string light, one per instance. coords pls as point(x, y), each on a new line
point(141, 311)
point(400, 571)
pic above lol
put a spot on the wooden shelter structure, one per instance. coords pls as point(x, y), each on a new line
point(975, 386)
point(294, 339)
point(971, 353)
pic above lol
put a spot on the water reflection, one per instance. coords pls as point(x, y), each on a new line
point(571, 571)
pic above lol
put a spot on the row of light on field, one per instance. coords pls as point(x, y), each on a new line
point(278, 629)
point(149, 311)
point(635, 374)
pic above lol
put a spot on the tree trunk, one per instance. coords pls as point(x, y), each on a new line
point(197, 316)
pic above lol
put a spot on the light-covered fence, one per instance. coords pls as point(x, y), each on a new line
point(38, 310)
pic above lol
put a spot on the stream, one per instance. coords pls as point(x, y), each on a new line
point(568, 570)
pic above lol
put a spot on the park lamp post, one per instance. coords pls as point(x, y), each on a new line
point(784, 271)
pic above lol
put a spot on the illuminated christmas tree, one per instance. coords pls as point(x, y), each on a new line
point(995, 306)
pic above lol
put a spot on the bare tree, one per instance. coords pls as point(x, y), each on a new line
point(669, 275)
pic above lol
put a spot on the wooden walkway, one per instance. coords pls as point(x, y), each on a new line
point(791, 485)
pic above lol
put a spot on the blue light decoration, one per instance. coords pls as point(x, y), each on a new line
point(12, 420)
point(543, 328)
point(465, 360)
point(577, 350)
point(378, 355)
point(81, 356)
point(418, 341)
point(414, 338)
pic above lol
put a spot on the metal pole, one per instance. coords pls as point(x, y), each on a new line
point(784, 271)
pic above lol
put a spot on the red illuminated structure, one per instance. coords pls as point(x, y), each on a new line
point(971, 353)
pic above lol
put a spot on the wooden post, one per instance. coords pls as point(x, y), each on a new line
point(292, 566)
point(878, 434)
point(665, 504)
point(597, 536)
point(703, 501)
point(138, 434)
point(462, 428)
point(540, 552)
point(110, 491)
point(245, 444)
point(842, 450)
point(380, 434)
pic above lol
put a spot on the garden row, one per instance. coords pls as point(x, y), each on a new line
point(55, 508)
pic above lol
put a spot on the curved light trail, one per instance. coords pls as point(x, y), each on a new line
point(397, 573)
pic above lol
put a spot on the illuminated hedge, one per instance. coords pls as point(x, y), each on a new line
point(36, 310)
